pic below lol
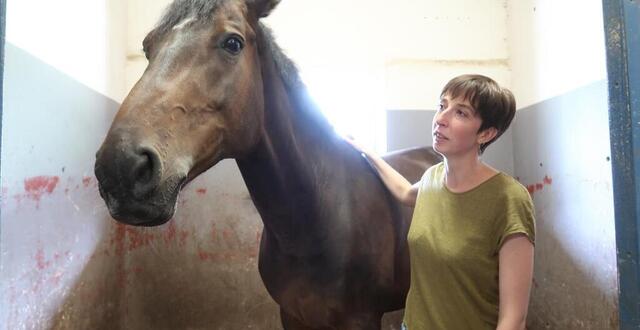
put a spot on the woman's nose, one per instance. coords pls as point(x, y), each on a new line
point(441, 118)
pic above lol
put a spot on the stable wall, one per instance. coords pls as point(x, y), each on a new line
point(66, 264)
point(56, 76)
point(562, 155)
point(53, 221)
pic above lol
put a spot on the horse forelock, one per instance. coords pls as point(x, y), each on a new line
point(180, 10)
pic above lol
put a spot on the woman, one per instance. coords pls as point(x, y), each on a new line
point(471, 239)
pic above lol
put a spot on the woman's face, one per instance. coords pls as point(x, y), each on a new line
point(455, 128)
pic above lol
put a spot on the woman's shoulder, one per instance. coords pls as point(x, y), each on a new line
point(432, 176)
point(435, 171)
point(511, 187)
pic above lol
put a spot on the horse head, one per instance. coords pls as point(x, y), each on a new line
point(200, 100)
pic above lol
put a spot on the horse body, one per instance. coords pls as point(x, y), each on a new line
point(334, 242)
point(333, 252)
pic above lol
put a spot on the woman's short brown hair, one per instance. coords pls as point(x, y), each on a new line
point(495, 105)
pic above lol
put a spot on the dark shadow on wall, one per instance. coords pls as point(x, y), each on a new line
point(564, 295)
point(95, 300)
point(198, 271)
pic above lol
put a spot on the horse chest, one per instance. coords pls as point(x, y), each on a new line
point(312, 290)
point(310, 305)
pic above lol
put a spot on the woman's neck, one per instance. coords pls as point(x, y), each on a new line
point(467, 172)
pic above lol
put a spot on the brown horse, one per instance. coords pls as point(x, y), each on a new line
point(333, 252)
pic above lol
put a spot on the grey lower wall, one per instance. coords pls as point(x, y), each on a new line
point(561, 153)
point(412, 128)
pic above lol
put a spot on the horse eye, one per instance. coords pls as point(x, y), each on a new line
point(233, 45)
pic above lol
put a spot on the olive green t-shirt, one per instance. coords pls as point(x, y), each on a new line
point(454, 240)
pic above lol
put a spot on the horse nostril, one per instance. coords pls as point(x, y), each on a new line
point(145, 172)
point(143, 169)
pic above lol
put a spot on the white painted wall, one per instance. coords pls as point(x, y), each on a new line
point(555, 46)
point(64, 64)
point(83, 39)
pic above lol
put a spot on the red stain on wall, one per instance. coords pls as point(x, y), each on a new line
point(37, 186)
point(41, 264)
point(227, 235)
point(125, 238)
point(3, 196)
point(533, 188)
point(117, 239)
point(138, 238)
point(201, 191)
point(86, 181)
point(170, 233)
point(183, 238)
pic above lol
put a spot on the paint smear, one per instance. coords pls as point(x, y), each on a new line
point(86, 181)
point(535, 187)
point(40, 260)
point(36, 187)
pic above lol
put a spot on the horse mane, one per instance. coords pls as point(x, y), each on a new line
point(202, 10)
point(290, 75)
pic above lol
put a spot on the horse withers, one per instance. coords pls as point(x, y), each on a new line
point(333, 252)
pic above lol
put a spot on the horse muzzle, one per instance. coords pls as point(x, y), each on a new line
point(130, 180)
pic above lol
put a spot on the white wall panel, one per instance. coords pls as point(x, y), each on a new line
point(555, 47)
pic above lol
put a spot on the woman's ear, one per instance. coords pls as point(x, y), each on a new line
point(487, 135)
point(262, 8)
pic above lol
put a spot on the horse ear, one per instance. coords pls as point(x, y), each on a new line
point(262, 8)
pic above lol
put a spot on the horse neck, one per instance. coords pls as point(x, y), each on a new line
point(295, 153)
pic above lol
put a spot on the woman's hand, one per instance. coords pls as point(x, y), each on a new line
point(400, 188)
point(360, 148)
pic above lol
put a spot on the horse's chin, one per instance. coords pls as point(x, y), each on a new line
point(144, 217)
point(155, 210)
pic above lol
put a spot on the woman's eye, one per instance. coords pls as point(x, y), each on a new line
point(461, 113)
point(233, 45)
point(440, 107)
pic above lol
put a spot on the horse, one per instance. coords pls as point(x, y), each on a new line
point(333, 253)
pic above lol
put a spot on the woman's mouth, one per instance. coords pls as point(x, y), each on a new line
point(439, 137)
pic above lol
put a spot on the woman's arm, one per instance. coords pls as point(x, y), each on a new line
point(515, 277)
point(400, 188)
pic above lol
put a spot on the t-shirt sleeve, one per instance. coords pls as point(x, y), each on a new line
point(519, 217)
